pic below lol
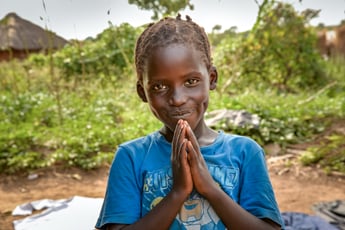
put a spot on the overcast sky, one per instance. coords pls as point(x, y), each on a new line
point(79, 19)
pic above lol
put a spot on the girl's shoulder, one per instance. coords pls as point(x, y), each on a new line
point(237, 140)
point(144, 143)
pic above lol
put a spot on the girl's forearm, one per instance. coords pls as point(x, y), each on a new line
point(161, 216)
point(233, 215)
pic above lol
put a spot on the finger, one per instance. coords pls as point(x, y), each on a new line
point(177, 133)
point(181, 153)
point(178, 140)
point(181, 144)
point(176, 137)
point(191, 153)
point(190, 135)
point(174, 141)
point(182, 149)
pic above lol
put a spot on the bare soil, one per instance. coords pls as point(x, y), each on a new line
point(296, 187)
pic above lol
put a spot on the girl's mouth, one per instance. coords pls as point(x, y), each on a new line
point(180, 114)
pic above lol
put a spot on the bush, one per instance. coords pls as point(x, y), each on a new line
point(107, 55)
point(280, 52)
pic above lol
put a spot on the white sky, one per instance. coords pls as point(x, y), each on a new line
point(82, 18)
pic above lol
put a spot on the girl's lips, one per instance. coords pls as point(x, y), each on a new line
point(180, 114)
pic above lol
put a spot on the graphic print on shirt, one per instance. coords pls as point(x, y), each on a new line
point(196, 212)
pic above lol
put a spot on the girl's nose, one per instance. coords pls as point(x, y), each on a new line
point(177, 97)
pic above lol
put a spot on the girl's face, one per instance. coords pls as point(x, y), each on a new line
point(176, 85)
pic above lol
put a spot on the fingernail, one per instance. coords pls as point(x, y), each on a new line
point(179, 122)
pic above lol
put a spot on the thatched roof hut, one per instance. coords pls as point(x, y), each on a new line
point(19, 37)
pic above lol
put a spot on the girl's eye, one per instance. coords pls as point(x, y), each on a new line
point(159, 87)
point(190, 82)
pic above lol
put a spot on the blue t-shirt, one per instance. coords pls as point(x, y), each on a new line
point(141, 175)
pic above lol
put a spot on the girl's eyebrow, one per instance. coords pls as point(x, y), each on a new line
point(193, 73)
point(155, 81)
point(160, 78)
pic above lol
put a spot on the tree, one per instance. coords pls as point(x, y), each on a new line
point(280, 51)
point(216, 28)
point(321, 25)
point(283, 48)
point(216, 36)
point(109, 54)
point(162, 7)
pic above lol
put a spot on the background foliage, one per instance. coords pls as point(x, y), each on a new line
point(162, 8)
point(75, 106)
point(278, 52)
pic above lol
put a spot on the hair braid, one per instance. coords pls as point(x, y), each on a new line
point(169, 31)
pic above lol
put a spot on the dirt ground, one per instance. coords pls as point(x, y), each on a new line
point(296, 187)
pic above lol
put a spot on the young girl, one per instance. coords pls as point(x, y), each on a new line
point(185, 175)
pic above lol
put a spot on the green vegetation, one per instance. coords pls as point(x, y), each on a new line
point(279, 52)
point(162, 8)
point(74, 107)
point(329, 154)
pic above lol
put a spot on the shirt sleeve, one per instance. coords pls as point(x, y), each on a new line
point(122, 200)
point(257, 195)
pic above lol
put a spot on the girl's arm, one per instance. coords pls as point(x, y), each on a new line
point(160, 217)
point(232, 215)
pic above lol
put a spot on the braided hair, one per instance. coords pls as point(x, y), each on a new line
point(169, 31)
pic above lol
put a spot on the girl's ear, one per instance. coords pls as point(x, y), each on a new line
point(141, 92)
point(213, 77)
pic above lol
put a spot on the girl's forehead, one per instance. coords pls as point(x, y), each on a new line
point(174, 51)
point(174, 60)
point(175, 54)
